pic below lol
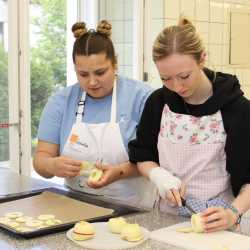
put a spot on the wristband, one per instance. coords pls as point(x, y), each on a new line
point(237, 213)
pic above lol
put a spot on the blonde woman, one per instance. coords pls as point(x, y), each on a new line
point(192, 140)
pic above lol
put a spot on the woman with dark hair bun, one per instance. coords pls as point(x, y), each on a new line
point(92, 122)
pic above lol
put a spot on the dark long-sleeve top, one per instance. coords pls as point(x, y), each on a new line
point(235, 109)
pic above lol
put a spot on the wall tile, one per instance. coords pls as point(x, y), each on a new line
point(170, 22)
point(202, 10)
point(117, 31)
point(157, 27)
point(114, 9)
point(119, 50)
point(215, 33)
point(225, 34)
point(127, 70)
point(128, 32)
point(203, 30)
point(128, 9)
point(215, 55)
point(172, 9)
point(216, 11)
point(188, 8)
point(226, 12)
point(158, 9)
point(128, 53)
point(225, 54)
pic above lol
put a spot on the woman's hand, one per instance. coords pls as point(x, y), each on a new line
point(174, 196)
point(218, 218)
point(169, 186)
point(110, 174)
point(63, 166)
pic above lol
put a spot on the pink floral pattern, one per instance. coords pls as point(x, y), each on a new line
point(182, 128)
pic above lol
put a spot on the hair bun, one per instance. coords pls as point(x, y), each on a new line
point(79, 29)
point(104, 27)
point(184, 21)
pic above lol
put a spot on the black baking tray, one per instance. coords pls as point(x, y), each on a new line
point(119, 210)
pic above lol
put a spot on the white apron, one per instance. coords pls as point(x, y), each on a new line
point(103, 141)
point(192, 148)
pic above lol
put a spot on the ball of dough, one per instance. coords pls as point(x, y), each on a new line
point(14, 215)
point(4, 220)
point(196, 222)
point(23, 219)
point(95, 175)
point(132, 232)
point(116, 225)
point(85, 168)
point(34, 223)
point(53, 222)
point(12, 224)
point(45, 217)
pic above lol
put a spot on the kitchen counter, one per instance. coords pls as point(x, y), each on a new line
point(151, 220)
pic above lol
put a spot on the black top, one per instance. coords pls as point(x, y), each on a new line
point(235, 109)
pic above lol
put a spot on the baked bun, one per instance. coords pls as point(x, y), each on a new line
point(83, 231)
point(196, 223)
point(116, 225)
point(132, 232)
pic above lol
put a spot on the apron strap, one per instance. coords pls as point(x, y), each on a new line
point(80, 110)
point(113, 105)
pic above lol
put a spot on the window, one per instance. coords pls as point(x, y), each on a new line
point(4, 107)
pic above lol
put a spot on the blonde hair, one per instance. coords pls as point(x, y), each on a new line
point(180, 39)
point(92, 41)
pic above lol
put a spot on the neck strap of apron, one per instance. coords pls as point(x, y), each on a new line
point(81, 106)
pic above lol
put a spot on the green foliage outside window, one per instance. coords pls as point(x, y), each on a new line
point(48, 57)
point(4, 110)
point(48, 65)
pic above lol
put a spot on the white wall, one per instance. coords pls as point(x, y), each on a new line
point(120, 14)
point(211, 18)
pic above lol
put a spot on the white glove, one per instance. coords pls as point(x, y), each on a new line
point(164, 180)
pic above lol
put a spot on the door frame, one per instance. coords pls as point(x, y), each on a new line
point(19, 87)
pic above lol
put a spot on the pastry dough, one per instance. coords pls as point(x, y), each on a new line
point(85, 168)
point(116, 225)
point(14, 215)
point(45, 217)
point(24, 219)
point(132, 232)
point(53, 222)
point(196, 222)
point(95, 175)
point(34, 223)
point(83, 231)
point(185, 230)
point(4, 220)
point(12, 224)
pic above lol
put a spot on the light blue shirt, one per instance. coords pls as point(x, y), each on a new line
point(59, 114)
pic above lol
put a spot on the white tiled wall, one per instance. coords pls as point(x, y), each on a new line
point(211, 18)
point(120, 15)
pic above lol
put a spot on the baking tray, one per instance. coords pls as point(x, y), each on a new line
point(118, 210)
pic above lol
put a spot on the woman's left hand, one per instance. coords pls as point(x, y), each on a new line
point(110, 174)
point(218, 218)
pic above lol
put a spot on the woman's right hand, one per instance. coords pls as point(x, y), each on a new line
point(63, 166)
point(169, 186)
